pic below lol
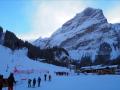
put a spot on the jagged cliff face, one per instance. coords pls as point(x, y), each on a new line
point(83, 35)
point(80, 30)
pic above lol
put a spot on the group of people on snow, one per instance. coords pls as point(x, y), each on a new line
point(49, 77)
point(33, 82)
point(62, 73)
point(10, 81)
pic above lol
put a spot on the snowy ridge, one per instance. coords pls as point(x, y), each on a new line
point(41, 42)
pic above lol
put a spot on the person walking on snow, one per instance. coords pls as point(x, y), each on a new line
point(34, 82)
point(45, 77)
point(39, 81)
point(49, 77)
point(29, 82)
point(11, 81)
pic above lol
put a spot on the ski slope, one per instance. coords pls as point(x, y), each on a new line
point(9, 60)
point(81, 82)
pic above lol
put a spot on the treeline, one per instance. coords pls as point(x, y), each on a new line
point(12, 42)
point(1, 34)
point(100, 60)
point(103, 57)
point(1, 31)
point(49, 54)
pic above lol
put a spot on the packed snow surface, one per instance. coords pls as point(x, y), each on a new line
point(10, 60)
point(81, 82)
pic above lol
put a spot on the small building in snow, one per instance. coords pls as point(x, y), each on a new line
point(100, 69)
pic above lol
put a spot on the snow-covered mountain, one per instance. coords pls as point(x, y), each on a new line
point(84, 33)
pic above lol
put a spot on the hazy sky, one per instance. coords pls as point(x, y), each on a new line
point(31, 19)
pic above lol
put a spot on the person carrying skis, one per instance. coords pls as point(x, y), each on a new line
point(1, 82)
point(29, 82)
point(34, 82)
point(11, 81)
point(39, 81)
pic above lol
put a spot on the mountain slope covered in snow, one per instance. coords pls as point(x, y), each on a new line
point(9, 60)
point(84, 33)
point(55, 55)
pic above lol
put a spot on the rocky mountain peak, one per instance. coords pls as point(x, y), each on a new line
point(91, 14)
point(84, 34)
point(89, 11)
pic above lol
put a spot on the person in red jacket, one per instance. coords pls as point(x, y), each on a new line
point(11, 81)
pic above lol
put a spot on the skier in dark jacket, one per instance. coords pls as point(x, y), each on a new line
point(39, 81)
point(1, 82)
point(34, 82)
point(49, 77)
point(45, 77)
point(11, 81)
point(29, 82)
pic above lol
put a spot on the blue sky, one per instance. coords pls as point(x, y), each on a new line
point(30, 19)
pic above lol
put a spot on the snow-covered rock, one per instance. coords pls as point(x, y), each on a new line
point(85, 33)
point(41, 42)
